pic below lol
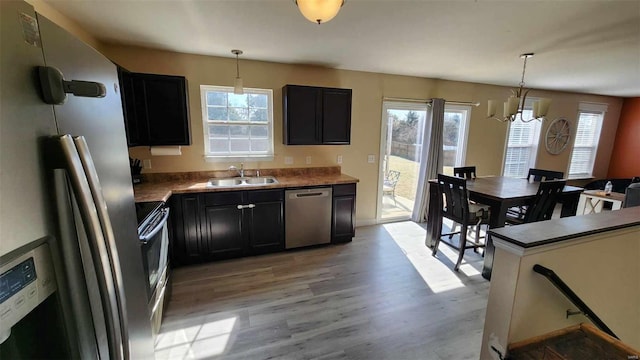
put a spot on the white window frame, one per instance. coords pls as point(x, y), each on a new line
point(212, 157)
point(463, 132)
point(533, 146)
point(590, 109)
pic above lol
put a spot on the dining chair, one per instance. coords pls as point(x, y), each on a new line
point(465, 172)
point(542, 175)
point(517, 213)
point(632, 195)
point(457, 208)
point(542, 206)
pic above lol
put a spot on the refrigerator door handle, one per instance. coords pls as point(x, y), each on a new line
point(71, 160)
point(109, 237)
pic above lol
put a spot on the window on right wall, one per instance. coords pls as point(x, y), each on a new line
point(587, 136)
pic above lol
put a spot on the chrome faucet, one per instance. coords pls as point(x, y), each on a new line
point(240, 171)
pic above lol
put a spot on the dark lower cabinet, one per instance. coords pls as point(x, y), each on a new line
point(343, 227)
point(265, 227)
point(186, 242)
point(223, 225)
point(222, 232)
point(229, 224)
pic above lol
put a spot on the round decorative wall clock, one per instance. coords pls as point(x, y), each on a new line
point(557, 136)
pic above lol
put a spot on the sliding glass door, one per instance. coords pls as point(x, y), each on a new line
point(403, 127)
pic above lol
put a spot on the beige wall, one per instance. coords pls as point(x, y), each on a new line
point(602, 269)
point(486, 137)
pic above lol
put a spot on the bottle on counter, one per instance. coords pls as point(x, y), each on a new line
point(608, 187)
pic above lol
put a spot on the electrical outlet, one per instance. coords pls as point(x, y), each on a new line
point(146, 164)
point(371, 158)
point(308, 160)
point(288, 160)
point(339, 159)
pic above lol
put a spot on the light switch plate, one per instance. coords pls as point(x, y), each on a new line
point(146, 163)
point(339, 159)
point(288, 160)
point(371, 158)
point(308, 160)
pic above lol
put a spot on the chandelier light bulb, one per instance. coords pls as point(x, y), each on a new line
point(319, 11)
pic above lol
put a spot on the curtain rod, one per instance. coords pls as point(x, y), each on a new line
point(428, 101)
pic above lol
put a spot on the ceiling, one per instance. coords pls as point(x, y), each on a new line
point(581, 46)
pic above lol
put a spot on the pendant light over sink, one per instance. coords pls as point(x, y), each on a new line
point(237, 84)
point(319, 11)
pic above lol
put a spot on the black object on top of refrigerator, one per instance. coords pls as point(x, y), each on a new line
point(69, 251)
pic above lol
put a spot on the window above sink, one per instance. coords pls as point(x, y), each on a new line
point(237, 127)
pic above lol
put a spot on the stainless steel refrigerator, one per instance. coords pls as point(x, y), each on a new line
point(66, 200)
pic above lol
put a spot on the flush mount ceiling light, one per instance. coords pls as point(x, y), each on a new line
point(237, 85)
point(514, 106)
point(319, 11)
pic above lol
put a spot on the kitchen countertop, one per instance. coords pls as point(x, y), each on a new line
point(161, 187)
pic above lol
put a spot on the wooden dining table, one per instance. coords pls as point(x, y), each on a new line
point(500, 193)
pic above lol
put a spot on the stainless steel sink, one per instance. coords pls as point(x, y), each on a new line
point(241, 181)
point(225, 182)
point(261, 180)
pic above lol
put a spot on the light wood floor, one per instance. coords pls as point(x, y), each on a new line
point(383, 296)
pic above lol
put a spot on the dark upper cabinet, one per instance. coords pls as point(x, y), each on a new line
point(155, 109)
point(316, 115)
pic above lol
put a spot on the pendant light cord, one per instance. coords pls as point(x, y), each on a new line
point(524, 67)
point(238, 67)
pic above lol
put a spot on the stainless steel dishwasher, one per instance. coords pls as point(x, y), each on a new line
point(307, 217)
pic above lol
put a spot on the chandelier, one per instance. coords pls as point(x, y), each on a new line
point(319, 11)
point(514, 106)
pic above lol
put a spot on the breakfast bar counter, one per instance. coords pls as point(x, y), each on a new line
point(595, 255)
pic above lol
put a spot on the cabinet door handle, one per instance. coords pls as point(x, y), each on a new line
point(250, 206)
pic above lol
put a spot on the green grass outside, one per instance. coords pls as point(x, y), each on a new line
point(408, 181)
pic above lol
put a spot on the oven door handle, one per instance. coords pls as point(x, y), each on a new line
point(152, 233)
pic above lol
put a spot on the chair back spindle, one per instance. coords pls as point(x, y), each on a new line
point(465, 172)
point(545, 201)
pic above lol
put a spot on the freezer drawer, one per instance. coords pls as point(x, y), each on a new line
point(307, 217)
